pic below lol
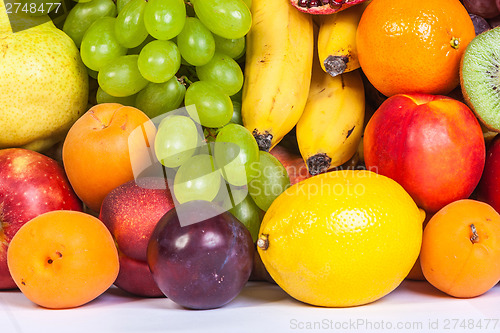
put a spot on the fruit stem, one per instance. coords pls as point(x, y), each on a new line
point(318, 163)
point(2, 226)
point(264, 141)
point(263, 242)
point(475, 237)
point(184, 79)
point(335, 65)
point(454, 42)
point(210, 133)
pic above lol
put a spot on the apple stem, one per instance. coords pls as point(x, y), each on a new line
point(263, 242)
point(475, 237)
point(2, 232)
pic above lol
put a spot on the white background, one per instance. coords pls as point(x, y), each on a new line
point(260, 308)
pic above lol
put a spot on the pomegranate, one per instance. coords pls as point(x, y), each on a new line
point(323, 7)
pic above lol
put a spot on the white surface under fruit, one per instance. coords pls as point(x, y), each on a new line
point(261, 307)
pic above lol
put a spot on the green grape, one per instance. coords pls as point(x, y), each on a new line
point(248, 213)
point(159, 61)
point(230, 19)
point(236, 118)
point(184, 62)
point(224, 72)
point(158, 98)
point(213, 107)
point(197, 179)
point(231, 47)
point(129, 25)
point(138, 49)
point(81, 17)
point(92, 74)
point(190, 10)
point(235, 152)
point(99, 44)
point(104, 97)
point(271, 179)
point(176, 140)
point(230, 195)
point(121, 77)
point(238, 97)
point(120, 4)
point(164, 19)
point(196, 43)
point(248, 3)
point(241, 60)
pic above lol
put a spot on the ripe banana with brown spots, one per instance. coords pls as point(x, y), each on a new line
point(337, 40)
point(279, 55)
point(330, 129)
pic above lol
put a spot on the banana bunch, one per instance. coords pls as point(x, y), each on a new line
point(337, 40)
point(278, 65)
point(331, 126)
point(284, 87)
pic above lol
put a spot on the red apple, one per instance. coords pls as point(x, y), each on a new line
point(293, 163)
point(131, 212)
point(431, 145)
point(488, 189)
point(30, 184)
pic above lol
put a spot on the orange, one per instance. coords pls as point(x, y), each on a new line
point(63, 259)
point(461, 248)
point(413, 46)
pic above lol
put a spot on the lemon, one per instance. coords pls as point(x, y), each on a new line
point(342, 238)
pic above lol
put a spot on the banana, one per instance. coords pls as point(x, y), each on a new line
point(279, 55)
point(337, 40)
point(330, 129)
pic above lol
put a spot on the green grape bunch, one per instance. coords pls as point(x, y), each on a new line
point(181, 64)
point(159, 55)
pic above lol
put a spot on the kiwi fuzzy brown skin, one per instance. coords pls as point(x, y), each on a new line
point(467, 98)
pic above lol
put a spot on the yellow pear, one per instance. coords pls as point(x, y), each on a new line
point(43, 85)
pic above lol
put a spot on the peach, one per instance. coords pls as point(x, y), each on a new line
point(131, 212)
point(432, 145)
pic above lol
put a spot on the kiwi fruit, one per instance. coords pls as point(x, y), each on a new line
point(480, 77)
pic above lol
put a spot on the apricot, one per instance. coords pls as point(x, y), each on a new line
point(63, 259)
point(97, 150)
point(460, 252)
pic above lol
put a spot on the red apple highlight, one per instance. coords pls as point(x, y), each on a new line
point(131, 212)
point(431, 145)
point(30, 184)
